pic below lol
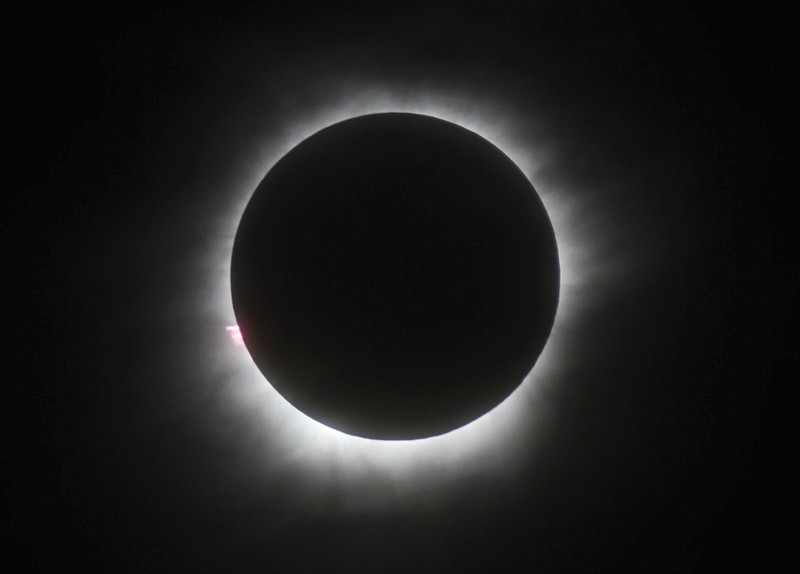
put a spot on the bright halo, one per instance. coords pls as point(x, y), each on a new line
point(366, 472)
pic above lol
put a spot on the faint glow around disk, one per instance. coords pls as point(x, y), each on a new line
point(368, 471)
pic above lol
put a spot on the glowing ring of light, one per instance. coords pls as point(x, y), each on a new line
point(371, 472)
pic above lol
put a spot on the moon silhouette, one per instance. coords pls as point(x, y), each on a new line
point(395, 276)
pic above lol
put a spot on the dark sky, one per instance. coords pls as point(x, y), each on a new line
point(650, 441)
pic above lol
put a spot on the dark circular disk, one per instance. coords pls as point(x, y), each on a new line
point(395, 276)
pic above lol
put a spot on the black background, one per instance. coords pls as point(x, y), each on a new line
point(670, 436)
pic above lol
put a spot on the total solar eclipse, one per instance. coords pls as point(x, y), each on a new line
point(395, 276)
